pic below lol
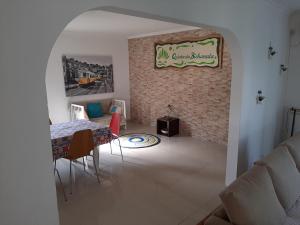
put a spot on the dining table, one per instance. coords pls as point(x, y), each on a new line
point(62, 133)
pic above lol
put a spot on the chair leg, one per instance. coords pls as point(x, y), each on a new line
point(54, 165)
point(96, 170)
point(61, 184)
point(120, 149)
point(83, 163)
point(71, 177)
point(110, 147)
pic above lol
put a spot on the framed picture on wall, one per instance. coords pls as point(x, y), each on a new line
point(87, 75)
point(204, 52)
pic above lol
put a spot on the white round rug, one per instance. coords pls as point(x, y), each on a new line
point(137, 140)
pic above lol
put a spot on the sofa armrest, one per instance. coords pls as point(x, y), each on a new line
point(122, 105)
point(78, 112)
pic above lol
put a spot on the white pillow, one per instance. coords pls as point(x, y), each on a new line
point(251, 200)
point(284, 174)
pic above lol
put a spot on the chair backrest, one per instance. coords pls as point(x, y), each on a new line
point(115, 123)
point(81, 145)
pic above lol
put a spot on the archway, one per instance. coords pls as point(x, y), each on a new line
point(236, 83)
point(230, 167)
point(32, 52)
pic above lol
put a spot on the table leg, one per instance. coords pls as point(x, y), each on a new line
point(96, 157)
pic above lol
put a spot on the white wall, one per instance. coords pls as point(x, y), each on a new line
point(83, 43)
point(29, 30)
point(293, 73)
point(261, 124)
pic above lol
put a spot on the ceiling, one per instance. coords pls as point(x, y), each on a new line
point(289, 4)
point(130, 26)
point(121, 25)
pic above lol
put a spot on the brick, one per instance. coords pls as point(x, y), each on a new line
point(200, 96)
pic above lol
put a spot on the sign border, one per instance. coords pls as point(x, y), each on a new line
point(220, 48)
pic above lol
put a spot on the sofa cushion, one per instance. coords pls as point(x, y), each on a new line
point(294, 211)
point(251, 200)
point(213, 220)
point(291, 221)
point(284, 174)
point(94, 110)
point(221, 213)
point(104, 120)
point(293, 145)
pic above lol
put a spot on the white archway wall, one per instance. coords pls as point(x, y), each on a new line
point(29, 30)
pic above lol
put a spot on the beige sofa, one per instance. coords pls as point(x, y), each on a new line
point(78, 111)
point(267, 194)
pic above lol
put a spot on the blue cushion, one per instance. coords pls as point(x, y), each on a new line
point(94, 110)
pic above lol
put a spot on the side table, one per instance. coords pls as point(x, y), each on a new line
point(168, 126)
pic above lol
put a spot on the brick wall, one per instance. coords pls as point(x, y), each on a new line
point(200, 96)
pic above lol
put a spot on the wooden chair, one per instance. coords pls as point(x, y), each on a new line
point(81, 145)
point(114, 126)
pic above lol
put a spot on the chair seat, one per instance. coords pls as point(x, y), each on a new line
point(72, 158)
point(114, 136)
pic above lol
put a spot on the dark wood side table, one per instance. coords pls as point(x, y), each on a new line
point(168, 126)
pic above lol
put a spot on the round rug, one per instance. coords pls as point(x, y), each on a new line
point(137, 140)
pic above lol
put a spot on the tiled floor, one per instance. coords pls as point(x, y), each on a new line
point(175, 182)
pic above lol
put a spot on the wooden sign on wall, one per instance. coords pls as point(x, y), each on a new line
point(205, 52)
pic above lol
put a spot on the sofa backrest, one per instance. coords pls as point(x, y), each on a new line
point(279, 164)
point(293, 145)
point(106, 103)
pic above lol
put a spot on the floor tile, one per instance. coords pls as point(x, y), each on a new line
point(175, 182)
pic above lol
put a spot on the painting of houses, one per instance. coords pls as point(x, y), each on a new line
point(86, 75)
